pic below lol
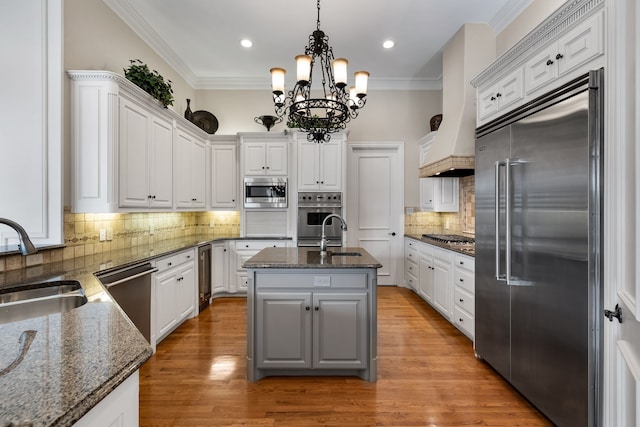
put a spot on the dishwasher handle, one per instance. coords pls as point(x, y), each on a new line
point(146, 269)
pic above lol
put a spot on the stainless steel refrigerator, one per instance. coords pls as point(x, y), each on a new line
point(538, 250)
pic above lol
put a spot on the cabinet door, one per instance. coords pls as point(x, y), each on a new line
point(510, 89)
point(425, 268)
point(220, 268)
point(198, 173)
point(442, 285)
point(277, 158)
point(581, 45)
point(186, 290)
point(254, 158)
point(330, 166)
point(487, 102)
point(184, 193)
point(541, 69)
point(427, 187)
point(161, 164)
point(165, 284)
point(223, 177)
point(134, 156)
point(340, 330)
point(308, 166)
point(283, 321)
point(446, 195)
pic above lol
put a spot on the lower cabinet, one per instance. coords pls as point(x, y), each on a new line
point(119, 408)
point(175, 289)
point(445, 280)
point(242, 251)
point(220, 268)
point(318, 330)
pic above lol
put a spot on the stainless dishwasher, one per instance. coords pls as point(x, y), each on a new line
point(204, 276)
point(131, 288)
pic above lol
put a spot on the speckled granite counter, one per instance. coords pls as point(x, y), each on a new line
point(310, 258)
point(77, 357)
point(461, 250)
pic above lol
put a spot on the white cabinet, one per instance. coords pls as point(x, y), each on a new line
point(223, 179)
point(175, 289)
point(219, 267)
point(190, 177)
point(439, 194)
point(567, 44)
point(118, 409)
point(145, 158)
point(575, 48)
point(445, 280)
point(265, 158)
point(317, 330)
point(320, 165)
point(242, 251)
point(464, 294)
point(500, 96)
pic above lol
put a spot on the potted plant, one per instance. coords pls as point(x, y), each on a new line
point(150, 81)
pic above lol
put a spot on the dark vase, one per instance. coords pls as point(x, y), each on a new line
point(188, 114)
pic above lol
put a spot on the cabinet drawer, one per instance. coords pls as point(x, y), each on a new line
point(465, 262)
point(463, 321)
point(257, 245)
point(464, 299)
point(242, 257)
point(412, 282)
point(314, 280)
point(464, 279)
point(411, 268)
point(165, 263)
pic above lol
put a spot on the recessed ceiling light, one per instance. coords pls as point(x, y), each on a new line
point(388, 44)
point(246, 42)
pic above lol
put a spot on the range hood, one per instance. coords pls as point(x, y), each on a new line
point(452, 152)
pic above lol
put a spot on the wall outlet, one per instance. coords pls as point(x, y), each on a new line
point(446, 225)
point(152, 229)
point(212, 223)
point(103, 234)
point(109, 234)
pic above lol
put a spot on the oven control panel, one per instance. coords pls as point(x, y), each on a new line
point(314, 197)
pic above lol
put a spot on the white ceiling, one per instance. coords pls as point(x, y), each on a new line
point(201, 38)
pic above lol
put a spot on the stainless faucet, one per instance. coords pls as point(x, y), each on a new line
point(323, 239)
point(26, 246)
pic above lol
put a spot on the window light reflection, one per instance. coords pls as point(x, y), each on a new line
point(222, 367)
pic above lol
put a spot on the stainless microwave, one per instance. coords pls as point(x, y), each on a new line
point(265, 192)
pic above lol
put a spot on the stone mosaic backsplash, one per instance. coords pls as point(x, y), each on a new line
point(82, 233)
point(462, 221)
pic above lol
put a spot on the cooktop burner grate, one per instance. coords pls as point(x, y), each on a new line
point(450, 239)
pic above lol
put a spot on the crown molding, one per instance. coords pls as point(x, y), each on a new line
point(507, 14)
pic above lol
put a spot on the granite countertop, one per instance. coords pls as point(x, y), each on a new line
point(76, 358)
point(308, 257)
point(464, 250)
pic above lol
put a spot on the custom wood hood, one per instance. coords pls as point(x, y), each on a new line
point(452, 153)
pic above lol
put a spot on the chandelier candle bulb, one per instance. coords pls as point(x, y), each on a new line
point(303, 66)
point(353, 98)
point(361, 83)
point(340, 72)
point(277, 80)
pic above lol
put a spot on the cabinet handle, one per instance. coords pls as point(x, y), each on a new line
point(307, 308)
point(316, 308)
point(461, 279)
point(461, 262)
point(188, 256)
point(493, 98)
point(549, 62)
point(233, 200)
point(392, 233)
point(461, 321)
point(498, 95)
point(559, 56)
point(267, 167)
point(321, 182)
point(154, 197)
point(263, 167)
point(461, 300)
point(169, 264)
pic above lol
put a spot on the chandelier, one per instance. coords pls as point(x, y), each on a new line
point(331, 108)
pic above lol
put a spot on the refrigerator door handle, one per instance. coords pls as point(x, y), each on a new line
point(499, 163)
point(507, 164)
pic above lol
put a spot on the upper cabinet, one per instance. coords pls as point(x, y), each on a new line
point(264, 154)
point(320, 165)
point(566, 45)
point(130, 153)
point(439, 194)
point(31, 122)
point(223, 170)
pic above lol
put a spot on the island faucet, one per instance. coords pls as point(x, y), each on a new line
point(323, 239)
point(26, 246)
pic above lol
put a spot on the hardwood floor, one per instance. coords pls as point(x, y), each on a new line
point(427, 376)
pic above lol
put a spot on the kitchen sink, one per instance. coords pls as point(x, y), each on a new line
point(345, 254)
point(42, 299)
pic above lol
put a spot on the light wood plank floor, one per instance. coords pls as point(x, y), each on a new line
point(427, 376)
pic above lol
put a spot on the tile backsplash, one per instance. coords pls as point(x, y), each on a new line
point(462, 221)
point(82, 233)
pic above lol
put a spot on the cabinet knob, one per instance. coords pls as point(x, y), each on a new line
point(307, 308)
point(267, 167)
point(461, 262)
point(169, 264)
point(321, 182)
point(154, 197)
point(392, 233)
point(493, 98)
point(316, 308)
point(549, 62)
point(461, 300)
point(461, 321)
point(263, 167)
point(233, 200)
point(559, 56)
point(317, 182)
point(498, 95)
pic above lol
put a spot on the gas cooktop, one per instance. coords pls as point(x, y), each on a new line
point(450, 239)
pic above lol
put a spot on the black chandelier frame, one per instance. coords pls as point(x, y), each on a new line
point(319, 117)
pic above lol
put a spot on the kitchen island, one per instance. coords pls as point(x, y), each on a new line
point(309, 314)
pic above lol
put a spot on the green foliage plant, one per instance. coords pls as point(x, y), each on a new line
point(150, 81)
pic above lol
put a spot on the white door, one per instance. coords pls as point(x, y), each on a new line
point(375, 204)
point(621, 226)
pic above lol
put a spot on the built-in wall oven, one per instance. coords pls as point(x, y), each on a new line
point(313, 208)
point(265, 192)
